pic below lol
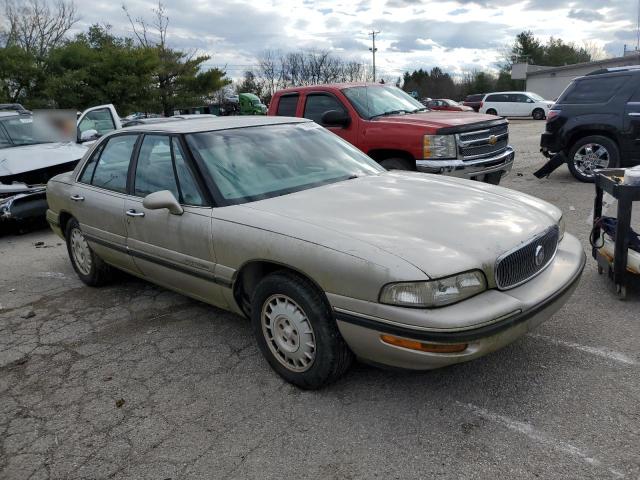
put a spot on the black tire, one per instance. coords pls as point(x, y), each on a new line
point(396, 164)
point(95, 272)
point(578, 168)
point(538, 114)
point(331, 355)
point(492, 111)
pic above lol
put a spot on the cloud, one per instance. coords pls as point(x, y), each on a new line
point(585, 15)
point(458, 11)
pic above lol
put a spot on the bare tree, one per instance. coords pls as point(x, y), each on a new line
point(150, 34)
point(37, 27)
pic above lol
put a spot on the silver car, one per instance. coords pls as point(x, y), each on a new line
point(328, 254)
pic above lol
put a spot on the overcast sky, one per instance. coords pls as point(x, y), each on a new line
point(455, 35)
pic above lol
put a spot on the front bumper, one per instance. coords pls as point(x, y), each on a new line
point(19, 202)
point(471, 168)
point(486, 322)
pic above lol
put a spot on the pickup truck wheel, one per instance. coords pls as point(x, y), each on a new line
point(492, 111)
point(89, 267)
point(296, 331)
point(591, 153)
point(396, 164)
point(538, 114)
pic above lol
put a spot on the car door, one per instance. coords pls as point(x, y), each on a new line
point(103, 119)
point(98, 198)
point(172, 250)
point(316, 104)
point(632, 127)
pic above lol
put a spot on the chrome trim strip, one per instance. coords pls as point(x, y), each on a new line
point(457, 163)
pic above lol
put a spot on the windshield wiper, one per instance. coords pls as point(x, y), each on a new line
point(390, 112)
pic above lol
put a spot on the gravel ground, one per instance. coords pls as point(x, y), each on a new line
point(133, 381)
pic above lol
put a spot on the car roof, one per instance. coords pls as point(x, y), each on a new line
point(603, 71)
point(332, 86)
point(10, 113)
point(215, 123)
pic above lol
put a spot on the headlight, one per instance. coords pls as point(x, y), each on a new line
point(439, 146)
point(434, 293)
point(561, 228)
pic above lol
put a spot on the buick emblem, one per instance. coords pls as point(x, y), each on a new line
point(493, 140)
point(539, 256)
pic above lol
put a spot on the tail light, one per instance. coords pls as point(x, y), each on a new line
point(552, 114)
point(481, 104)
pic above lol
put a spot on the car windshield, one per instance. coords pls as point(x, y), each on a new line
point(255, 163)
point(20, 131)
point(377, 100)
point(536, 97)
point(451, 103)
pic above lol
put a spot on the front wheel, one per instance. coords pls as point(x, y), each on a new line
point(591, 153)
point(89, 267)
point(296, 331)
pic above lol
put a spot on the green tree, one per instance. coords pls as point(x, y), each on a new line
point(179, 77)
point(19, 74)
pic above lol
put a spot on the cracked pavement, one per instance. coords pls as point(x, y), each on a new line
point(134, 381)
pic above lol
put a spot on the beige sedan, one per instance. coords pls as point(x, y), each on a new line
point(328, 254)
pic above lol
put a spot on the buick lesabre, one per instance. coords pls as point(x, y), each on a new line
point(329, 255)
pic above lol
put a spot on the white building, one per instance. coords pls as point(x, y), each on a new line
point(549, 82)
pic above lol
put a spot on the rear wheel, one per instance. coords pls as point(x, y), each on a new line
point(396, 164)
point(89, 267)
point(591, 153)
point(538, 114)
point(296, 331)
point(492, 111)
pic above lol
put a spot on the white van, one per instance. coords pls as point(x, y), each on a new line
point(516, 104)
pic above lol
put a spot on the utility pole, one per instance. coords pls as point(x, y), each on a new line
point(373, 50)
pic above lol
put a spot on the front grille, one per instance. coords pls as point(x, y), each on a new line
point(477, 144)
point(516, 267)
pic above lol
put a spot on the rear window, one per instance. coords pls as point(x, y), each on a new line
point(474, 98)
point(287, 105)
point(592, 90)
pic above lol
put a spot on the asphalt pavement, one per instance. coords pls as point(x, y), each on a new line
point(134, 381)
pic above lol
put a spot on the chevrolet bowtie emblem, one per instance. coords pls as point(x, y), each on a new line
point(493, 140)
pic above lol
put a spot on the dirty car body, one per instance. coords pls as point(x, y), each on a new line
point(330, 255)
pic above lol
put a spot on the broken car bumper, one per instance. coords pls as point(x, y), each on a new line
point(22, 202)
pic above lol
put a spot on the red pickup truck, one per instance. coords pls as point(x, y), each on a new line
point(401, 133)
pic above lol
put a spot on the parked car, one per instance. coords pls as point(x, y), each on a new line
point(595, 123)
point(516, 104)
point(30, 156)
point(328, 254)
point(446, 104)
point(400, 133)
point(474, 101)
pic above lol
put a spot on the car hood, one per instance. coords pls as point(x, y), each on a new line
point(16, 160)
point(441, 225)
point(438, 119)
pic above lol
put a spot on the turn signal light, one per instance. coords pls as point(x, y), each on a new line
point(424, 347)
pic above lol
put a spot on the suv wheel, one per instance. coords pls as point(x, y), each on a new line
point(296, 331)
point(492, 111)
point(396, 164)
point(89, 267)
point(591, 153)
point(538, 114)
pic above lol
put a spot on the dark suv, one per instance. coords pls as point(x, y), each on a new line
point(474, 101)
point(595, 123)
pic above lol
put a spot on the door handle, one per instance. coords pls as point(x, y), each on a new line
point(634, 114)
point(77, 198)
point(133, 213)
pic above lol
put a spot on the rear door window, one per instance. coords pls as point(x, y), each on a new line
point(287, 105)
point(318, 104)
point(593, 90)
point(113, 165)
point(497, 98)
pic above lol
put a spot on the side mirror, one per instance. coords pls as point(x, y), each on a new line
point(88, 135)
point(162, 199)
point(336, 118)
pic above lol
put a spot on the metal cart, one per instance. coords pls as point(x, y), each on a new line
point(626, 195)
